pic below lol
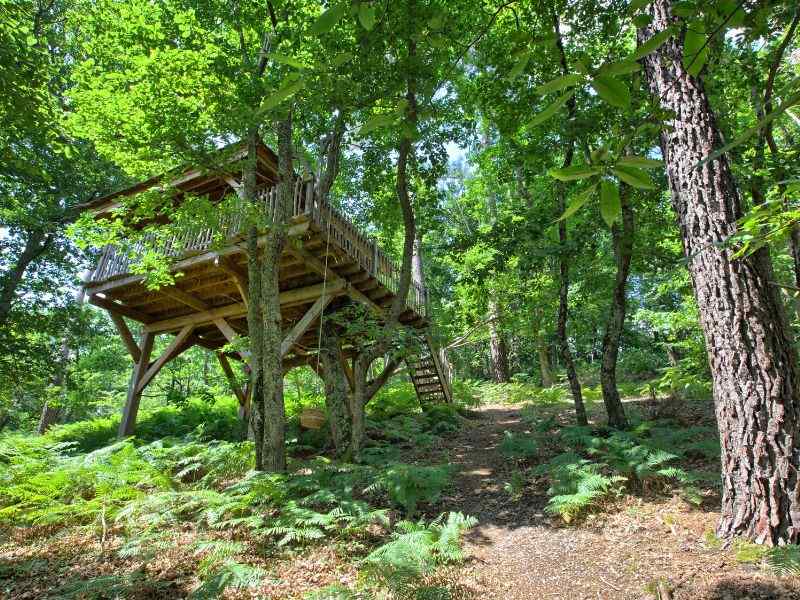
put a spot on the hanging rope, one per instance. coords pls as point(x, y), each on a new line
point(324, 283)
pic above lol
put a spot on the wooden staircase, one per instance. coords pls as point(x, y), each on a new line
point(427, 375)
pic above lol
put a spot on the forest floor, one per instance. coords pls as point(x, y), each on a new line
point(518, 551)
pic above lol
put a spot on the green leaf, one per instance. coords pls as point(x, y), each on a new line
point(637, 5)
point(552, 109)
point(574, 172)
point(559, 83)
point(620, 68)
point(634, 177)
point(376, 122)
point(288, 60)
point(642, 20)
point(612, 90)
point(519, 66)
point(695, 48)
point(640, 162)
point(282, 94)
point(654, 43)
point(610, 207)
point(366, 16)
point(328, 20)
point(684, 9)
point(340, 59)
point(578, 202)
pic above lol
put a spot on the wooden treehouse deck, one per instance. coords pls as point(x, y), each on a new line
point(327, 258)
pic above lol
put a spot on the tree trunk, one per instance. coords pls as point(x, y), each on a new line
point(417, 274)
point(753, 362)
point(546, 369)
point(622, 239)
point(337, 390)
point(50, 411)
point(267, 414)
point(35, 246)
point(563, 256)
point(363, 388)
point(497, 344)
point(50, 414)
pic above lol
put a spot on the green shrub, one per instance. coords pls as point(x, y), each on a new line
point(219, 420)
point(442, 418)
point(551, 395)
point(410, 485)
point(516, 485)
point(466, 392)
point(405, 430)
point(397, 397)
point(47, 486)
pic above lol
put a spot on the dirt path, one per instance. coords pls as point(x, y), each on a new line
point(518, 551)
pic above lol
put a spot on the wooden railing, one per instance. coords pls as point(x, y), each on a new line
point(337, 229)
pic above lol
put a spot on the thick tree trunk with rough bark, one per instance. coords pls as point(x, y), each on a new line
point(267, 414)
point(753, 362)
point(337, 389)
point(622, 239)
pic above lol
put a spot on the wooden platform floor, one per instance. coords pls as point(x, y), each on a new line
point(210, 294)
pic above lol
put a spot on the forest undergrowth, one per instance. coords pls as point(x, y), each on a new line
point(186, 515)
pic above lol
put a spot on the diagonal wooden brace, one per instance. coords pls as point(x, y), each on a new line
point(304, 323)
point(176, 347)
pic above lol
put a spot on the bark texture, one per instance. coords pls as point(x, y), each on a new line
point(753, 362)
point(267, 415)
point(622, 239)
point(337, 390)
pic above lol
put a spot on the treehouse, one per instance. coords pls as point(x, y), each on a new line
point(326, 258)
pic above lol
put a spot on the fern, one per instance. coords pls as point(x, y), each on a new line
point(576, 485)
point(784, 560)
point(409, 485)
point(415, 550)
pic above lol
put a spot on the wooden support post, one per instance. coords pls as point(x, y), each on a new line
point(303, 324)
point(127, 336)
point(131, 409)
point(176, 347)
point(228, 370)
